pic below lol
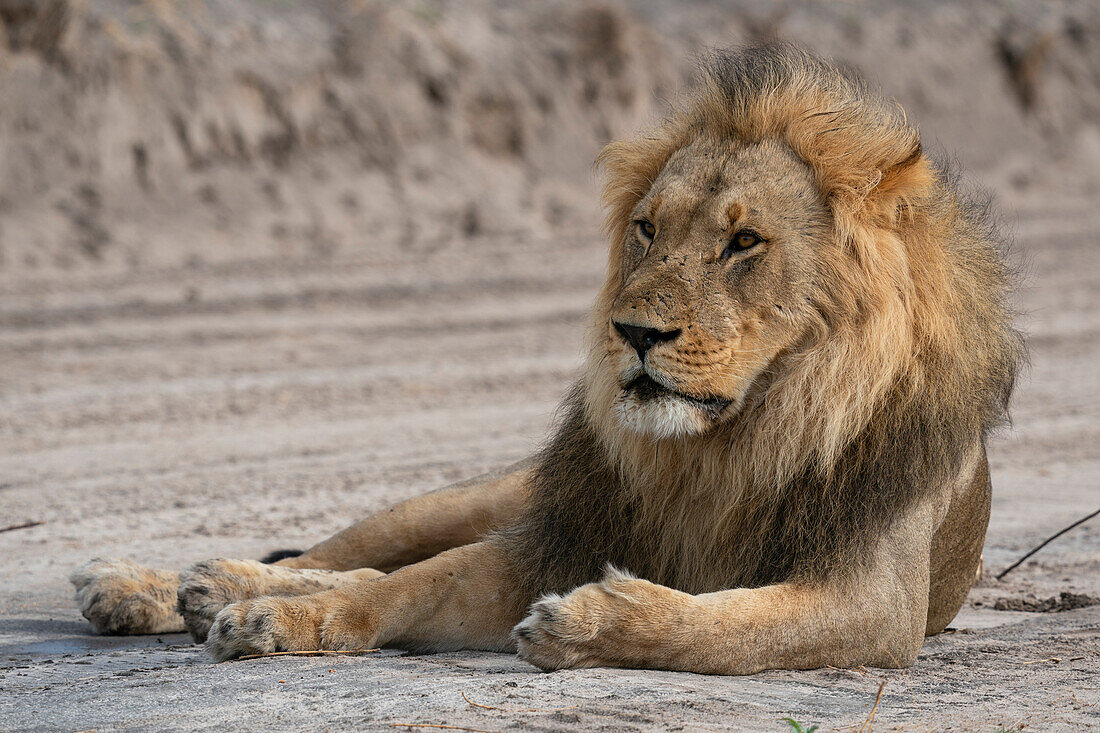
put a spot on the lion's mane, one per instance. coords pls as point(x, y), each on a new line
point(912, 360)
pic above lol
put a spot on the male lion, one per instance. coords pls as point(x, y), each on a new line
point(800, 347)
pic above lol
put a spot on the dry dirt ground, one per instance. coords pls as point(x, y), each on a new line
point(219, 356)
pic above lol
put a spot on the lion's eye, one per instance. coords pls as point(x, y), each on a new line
point(743, 240)
point(645, 230)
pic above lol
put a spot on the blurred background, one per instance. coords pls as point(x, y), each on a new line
point(268, 265)
point(191, 134)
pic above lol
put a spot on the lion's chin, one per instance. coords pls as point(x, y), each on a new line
point(646, 408)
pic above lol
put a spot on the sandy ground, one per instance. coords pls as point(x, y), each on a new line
point(238, 387)
point(265, 415)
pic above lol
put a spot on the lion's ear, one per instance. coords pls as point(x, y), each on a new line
point(624, 171)
point(630, 167)
point(900, 183)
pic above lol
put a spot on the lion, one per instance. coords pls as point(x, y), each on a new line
point(775, 457)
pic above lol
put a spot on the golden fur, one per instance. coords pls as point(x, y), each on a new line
point(783, 440)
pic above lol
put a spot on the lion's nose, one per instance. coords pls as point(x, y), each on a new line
point(643, 338)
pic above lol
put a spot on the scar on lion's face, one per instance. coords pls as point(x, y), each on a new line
point(733, 238)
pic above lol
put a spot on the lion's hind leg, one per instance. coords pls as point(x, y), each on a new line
point(209, 586)
point(122, 597)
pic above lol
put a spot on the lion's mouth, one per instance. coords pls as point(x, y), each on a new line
point(645, 387)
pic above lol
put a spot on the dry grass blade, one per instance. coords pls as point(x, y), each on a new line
point(438, 725)
point(1046, 542)
point(870, 721)
point(309, 653)
point(859, 671)
point(1056, 660)
point(517, 710)
point(24, 525)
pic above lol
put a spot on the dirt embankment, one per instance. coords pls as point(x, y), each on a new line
point(164, 133)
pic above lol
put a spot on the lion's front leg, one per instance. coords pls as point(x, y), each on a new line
point(626, 622)
point(465, 598)
point(872, 613)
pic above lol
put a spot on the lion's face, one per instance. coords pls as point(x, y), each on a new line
point(721, 266)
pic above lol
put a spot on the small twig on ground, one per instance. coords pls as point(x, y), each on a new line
point(1056, 660)
point(437, 725)
point(24, 525)
point(859, 671)
point(869, 723)
point(1045, 542)
point(309, 653)
point(516, 710)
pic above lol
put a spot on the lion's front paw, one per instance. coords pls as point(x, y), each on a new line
point(211, 585)
point(265, 625)
point(601, 624)
point(545, 640)
point(122, 597)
